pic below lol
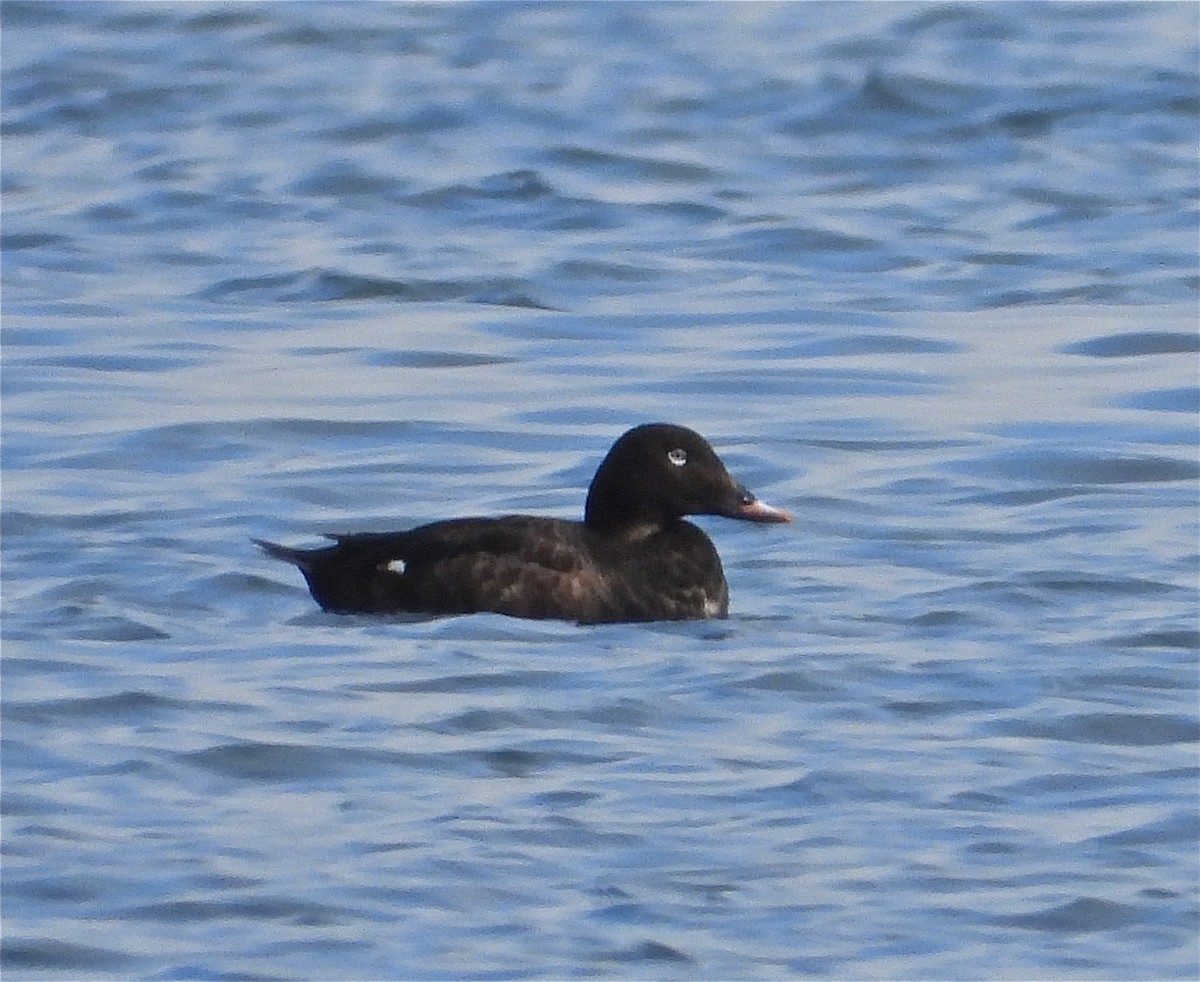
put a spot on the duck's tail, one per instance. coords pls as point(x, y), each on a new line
point(353, 576)
point(297, 557)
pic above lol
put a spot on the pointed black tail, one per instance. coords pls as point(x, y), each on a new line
point(297, 557)
point(351, 577)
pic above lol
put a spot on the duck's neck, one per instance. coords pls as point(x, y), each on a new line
point(622, 516)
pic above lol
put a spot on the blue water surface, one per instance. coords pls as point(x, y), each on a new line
point(924, 273)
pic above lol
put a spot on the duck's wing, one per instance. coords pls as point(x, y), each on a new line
point(518, 565)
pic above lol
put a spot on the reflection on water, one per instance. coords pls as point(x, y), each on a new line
point(925, 276)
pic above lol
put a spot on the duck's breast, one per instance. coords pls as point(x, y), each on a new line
point(672, 574)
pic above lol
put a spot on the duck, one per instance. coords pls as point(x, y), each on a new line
point(633, 557)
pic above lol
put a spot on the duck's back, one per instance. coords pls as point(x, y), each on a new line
point(519, 565)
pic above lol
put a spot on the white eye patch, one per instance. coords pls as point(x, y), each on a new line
point(678, 456)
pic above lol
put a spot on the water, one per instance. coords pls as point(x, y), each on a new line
point(926, 276)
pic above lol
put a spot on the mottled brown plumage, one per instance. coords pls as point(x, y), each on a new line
point(632, 558)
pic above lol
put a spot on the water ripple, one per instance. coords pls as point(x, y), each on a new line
point(926, 275)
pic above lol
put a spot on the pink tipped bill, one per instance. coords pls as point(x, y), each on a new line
point(759, 511)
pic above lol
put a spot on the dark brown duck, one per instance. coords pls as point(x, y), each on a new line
point(632, 558)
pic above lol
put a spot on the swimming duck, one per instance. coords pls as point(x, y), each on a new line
point(632, 558)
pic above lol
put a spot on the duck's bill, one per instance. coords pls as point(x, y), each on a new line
point(753, 510)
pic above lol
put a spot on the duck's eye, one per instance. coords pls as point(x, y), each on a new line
point(678, 456)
